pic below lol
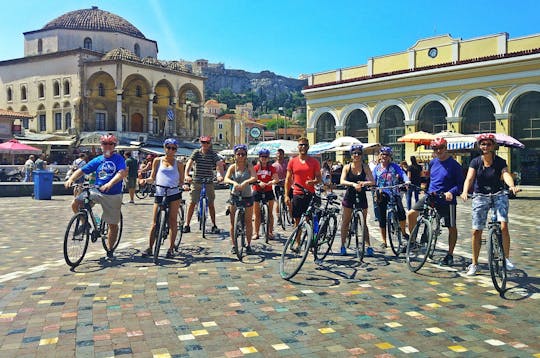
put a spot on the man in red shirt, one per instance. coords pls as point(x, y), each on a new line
point(303, 170)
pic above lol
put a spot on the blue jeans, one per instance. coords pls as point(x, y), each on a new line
point(410, 192)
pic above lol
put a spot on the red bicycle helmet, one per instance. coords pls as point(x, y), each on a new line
point(438, 142)
point(485, 136)
point(205, 138)
point(108, 138)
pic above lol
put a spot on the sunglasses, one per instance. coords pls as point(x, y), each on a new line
point(263, 156)
point(240, 154)
point(171, 148)
point(205, 142)
point(487, 144)
point(303, 145)
point(385, 154)
point(108, 143)
point(438, 148)
point(356, 153)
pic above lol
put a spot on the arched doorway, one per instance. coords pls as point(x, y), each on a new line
point(326, 128)
point(391, 128)
point(136, 124)
point(432, 118)
point(525, 125)
point(478, 116)
point(357, 125)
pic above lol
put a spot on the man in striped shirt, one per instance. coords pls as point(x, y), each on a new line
point(205, 160)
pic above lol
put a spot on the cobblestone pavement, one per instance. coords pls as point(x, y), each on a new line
point(204, 303)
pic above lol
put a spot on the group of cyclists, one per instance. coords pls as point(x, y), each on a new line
point(487, 174)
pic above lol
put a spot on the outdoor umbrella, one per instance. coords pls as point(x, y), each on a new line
point(457, 141)
point(344, 141)
point(419, 137)
point(319, 148)
point(369, 148)
point(507, 141)
point(290, 147)
point(13, 146)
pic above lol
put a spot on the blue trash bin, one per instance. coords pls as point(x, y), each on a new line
point(43, 184)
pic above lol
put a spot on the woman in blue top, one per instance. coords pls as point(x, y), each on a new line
point(167, 171)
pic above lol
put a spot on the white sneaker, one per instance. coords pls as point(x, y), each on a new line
point(509, 265)
point(471, 270)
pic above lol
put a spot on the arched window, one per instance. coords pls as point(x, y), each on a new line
point(101, 90)
point(478, 116)
point(66, 88)
point(9, 95)
point(23, 93)
point(357, 125)
point(391, 128)
point(137, 50)
point(326, 128)
point(40, 46)
point(138, 91)
point(41, 90)
point(88, 43)
point(68, 120)
point(56, 88)
point(432, 118)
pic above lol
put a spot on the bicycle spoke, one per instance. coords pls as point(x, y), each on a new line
point(497, 262)
point(76, 239)
point(419, 244)
point(295, 251)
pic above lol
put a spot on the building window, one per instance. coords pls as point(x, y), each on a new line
point(124, 122)
point(154, 101)
point(100, 121)
point(41, 90)
point(138, 91)
point(68, 120)
point(56, 88)
point(88, 43)
point(58, 121)
point(101, 90)
point(40, 46)
point(220, 125)
point(137, 50)
point(9, 95)
point(155, 125)
point(220, 136)
point(23, 93)
point(26, 123)
point(42, 123)
point(66, 88)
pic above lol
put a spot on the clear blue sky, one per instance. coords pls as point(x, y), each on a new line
point(288, 37)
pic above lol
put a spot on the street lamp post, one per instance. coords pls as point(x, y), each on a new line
point(280, 112)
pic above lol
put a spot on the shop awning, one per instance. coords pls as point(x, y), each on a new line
point(66, 143)
point(160, 151)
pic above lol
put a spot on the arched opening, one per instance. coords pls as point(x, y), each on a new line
point(66, 88)
point(326, 128)
point(88, 43)
point(40, 46)
point(137, 50)
point(56, 88)
point(136, 122)
point(23, 93)
point(391, 128)
point(432, 118)
point(9, 95)
point(478, 116)
point(357, 125)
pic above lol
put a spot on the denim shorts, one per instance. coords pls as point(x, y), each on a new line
point(481, 206)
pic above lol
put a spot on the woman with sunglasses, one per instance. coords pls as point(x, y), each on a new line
point(167, 171)
point(355, 177)
point(485, 174)
point(267, 176)
point(240, 175)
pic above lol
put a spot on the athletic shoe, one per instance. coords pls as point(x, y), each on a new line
point(170, 254)
point(249, 250)
point(472, 270)
point(80, 229)
point(110, 255)
point(233, 250)
point(383, 246)
point(509, 265)
point(343, 251)
point(369, 252)
point(186, 229)
point(215, 230)
point(448, 260)
point(147, 252)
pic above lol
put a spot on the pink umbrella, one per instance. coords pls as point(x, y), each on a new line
point(507, 141)
point(13, 146)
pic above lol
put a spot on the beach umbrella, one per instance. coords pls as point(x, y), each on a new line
point(345, 141)
point(507, 141)
point(419, 137)
point(13, 146)
point(319, 148)
point(290, 147)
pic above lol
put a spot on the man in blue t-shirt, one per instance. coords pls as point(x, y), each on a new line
point(110, 170)
point(445, 177)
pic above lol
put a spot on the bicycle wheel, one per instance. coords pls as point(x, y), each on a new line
point(295, 252)
point(419, 244)
point(203, 209)
point(160, 233)
point(239, 235)
point(75, 245)
point(325, 237)
point(104, 230)
point(180, 224)
point(282, 211)
point(142, 192)
point(496, 259)
point(393, 230)
point(264, 222)
point(357, 234)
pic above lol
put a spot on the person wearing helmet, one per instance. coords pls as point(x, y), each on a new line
point(388, 173)
point(445, 176)
point(240, 175)
point(205, 161)
point(356, 176)
point(267, 176)
point(484, 176)
point(167, 172)
point(110, 170)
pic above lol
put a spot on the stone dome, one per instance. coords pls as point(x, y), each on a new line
point(94, 19)
point(121, 54)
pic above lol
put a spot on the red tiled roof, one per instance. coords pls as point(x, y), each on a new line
point(5, 114)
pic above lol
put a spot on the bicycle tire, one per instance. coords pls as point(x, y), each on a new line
point(497, 260)
point(180, 224)
point(282, 212)
point(359, 237)
point(75, 246)
point(394, 233)
point(418, 250)
point(325, 237)
point(239, 235)
point(202, 224)
point(104, 229)
point(294, 256)
point(161, 234)
point(264, 222)
point(142, 192)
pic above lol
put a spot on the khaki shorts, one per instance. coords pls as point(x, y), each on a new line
point(196, 193)
point(131, 182)
point(111, 204)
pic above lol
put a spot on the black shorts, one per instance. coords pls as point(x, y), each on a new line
point(383, 203)
point(300, 203)
point(269, 195)
point(446, 212)
point(246, 202)
point(169, 199)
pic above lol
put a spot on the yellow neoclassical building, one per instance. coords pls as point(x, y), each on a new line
point(486, 84)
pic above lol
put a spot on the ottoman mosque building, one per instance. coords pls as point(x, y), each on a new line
point(92, 71)
point(486, 84)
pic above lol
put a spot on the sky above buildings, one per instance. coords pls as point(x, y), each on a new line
point(288, 37)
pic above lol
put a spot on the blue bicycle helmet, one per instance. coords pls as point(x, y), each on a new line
point(386, 150)
point(357, 148)
point(264, 152)
point(170, 141)
point(239, 146)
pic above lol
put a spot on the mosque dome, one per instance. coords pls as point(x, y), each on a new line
point(94, 19)
point(121, 53)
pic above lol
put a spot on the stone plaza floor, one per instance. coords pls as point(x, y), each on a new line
point(204, 303)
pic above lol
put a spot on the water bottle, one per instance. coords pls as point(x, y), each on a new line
point(98, 220)
point(315, 224)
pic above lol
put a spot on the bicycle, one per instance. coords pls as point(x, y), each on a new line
point(144, 190)
point(496, 257)
point(161, 231)
point(264, 213)
point(393, 230)
point(85, 226)
point(316, 229)
point(428, 228)
point(239, 226)
point(202, 207)
point(284, 216)
point(356, 226)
